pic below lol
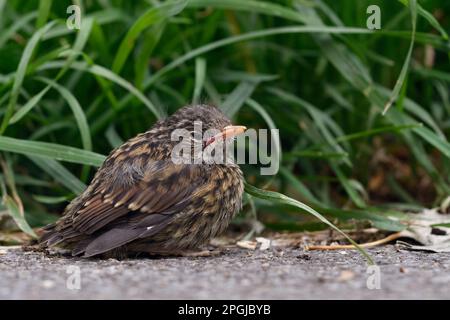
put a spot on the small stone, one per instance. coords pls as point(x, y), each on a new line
point(346, 275)
point(48, 284)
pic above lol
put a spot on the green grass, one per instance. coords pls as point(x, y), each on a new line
point(309, 68)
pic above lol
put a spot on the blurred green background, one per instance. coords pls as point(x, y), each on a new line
point(309, 68)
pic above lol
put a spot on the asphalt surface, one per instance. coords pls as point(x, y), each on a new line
point(236, 274)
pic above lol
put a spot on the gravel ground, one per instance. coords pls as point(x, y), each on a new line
point(235, 274)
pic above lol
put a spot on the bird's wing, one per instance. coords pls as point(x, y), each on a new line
point(163, 187)
point(152, 198)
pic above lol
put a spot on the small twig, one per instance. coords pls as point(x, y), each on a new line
point(350, 246)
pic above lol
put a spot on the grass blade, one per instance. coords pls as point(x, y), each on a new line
point(200, 74)
point(429, 17)
point(433, 139)
point(349, 188)
point(44, 11)
point(28, 106)
point(51, 150)
point(237, 97)
point(59, 173)
point(113, 137)
point(20, 73)
point(325, 124)
point(251, 6)
point(282, 199)
point(77, 48)
point(78, 112)
point(404, 71)
point(153, 16)
point(19, 24)
point(108, 74)
point(270, 123)
point(13, 203)
point(15, 213)
point(298, 185)
point(50, 128)
point(251, 36)
point(49, 200)
point(150, 40)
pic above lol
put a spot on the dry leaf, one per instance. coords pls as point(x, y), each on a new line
point(422, 229)
point(265, 243)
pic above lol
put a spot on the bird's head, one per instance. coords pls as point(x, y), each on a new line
point(205, 127)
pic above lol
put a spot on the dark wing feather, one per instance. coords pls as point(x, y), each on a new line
point(117, 237)
point(123, 234)
point(90, 219)
point(157, 192)
point(135, 210)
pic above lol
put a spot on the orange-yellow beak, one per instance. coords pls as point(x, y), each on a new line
point(226, 133)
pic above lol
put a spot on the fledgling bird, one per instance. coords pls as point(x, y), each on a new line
point(141, 201)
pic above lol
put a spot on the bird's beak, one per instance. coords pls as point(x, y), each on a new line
point(226, 133)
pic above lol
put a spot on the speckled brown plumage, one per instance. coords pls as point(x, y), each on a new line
point(140, 201)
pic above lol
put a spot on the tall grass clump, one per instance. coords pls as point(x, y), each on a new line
point(363, 114)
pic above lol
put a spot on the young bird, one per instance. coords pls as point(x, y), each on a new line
point(140, 200)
